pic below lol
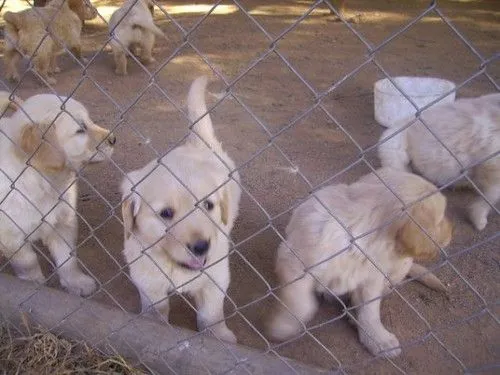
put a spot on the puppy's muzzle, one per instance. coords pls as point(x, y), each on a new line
point(199, 248)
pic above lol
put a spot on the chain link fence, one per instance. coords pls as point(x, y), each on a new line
point(292, 105)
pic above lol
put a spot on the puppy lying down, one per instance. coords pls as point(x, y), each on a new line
point(388, 239)
point(470, 129)
point(41, 147)
point(177, 216)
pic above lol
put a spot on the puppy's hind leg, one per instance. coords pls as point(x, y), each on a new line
point(371, 332)
point(12, 59)
point(25, 264)
point(487, 178)
point(61, 242)
point(301, 305)
point(147, 47)
point(54, 68)
point(120, 61)
point(77, 52)
point(42, 65)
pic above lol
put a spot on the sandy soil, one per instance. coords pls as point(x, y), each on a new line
point(439, 335)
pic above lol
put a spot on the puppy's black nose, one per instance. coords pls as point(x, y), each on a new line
point(112, 139)
point(200, 247)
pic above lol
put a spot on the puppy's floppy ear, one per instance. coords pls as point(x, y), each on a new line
point(130, 209)
point(224, 206)
point(414, 242)
point(46, 155)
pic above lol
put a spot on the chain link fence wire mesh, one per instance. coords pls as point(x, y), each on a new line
point(291, 99)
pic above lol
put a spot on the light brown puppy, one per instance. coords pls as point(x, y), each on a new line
point(83, 8)
point(25, 34)
point(319, 255)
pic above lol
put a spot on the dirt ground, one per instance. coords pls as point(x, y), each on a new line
point(438, 334)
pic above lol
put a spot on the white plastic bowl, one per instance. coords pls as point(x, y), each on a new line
point(391, 106)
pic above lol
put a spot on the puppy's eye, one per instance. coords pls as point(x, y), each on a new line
point(83, 127)
point(167, 213)
point(208, 204)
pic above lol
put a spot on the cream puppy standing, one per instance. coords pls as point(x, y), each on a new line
point(389, 240)
point(177, 215)
point(132, 27)
point(40, 149)
point(470, 129)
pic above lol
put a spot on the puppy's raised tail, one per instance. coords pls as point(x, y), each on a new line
point(424, 276)
point(151, 27)
point(146, 24)
point(196, 109)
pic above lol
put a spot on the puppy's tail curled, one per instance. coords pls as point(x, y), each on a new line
point(424, 276)
point(197, 111)
point(393, 152)
point(150, 26)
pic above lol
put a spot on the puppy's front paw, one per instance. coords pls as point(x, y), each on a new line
point(381, 341)
point(32, 274)
point(282, 327)
point(79, 284)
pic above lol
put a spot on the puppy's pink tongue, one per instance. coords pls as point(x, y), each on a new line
point(196, 263)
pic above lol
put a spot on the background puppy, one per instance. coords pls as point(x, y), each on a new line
point(470, 129)
point(132, 27)
point(177, 215)
point(40, 148)
point(83, 8)
point(25, 33)
point(317, 242)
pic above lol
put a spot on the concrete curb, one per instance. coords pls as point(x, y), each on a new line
point(163, 348)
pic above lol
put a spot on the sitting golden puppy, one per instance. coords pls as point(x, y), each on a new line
point(132, 27)
point(41, 147)
point(25, 33)
point(319, 255)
